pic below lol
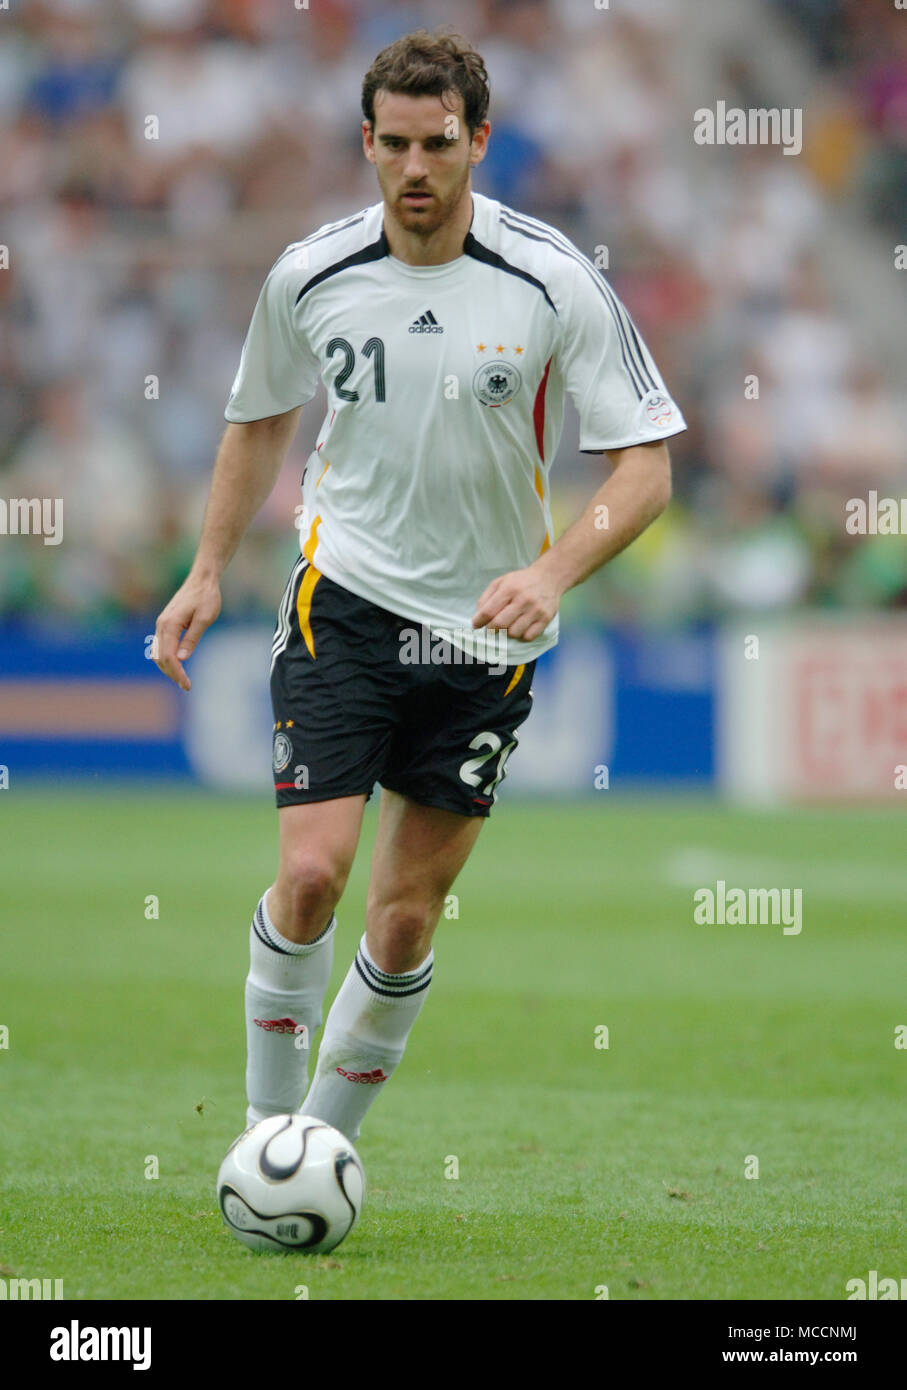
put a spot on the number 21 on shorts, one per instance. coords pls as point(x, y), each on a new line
point(495, 749)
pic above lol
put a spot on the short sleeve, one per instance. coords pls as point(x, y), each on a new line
point(608, 371)
point(277, 369)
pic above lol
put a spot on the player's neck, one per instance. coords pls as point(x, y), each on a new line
point(444, 244)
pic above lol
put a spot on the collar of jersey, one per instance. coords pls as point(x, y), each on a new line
point(446, 267)
point(428, 272)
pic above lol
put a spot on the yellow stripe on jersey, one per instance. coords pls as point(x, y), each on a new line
point(307, 588)
point(323, 471)
point(515, 679)
point(540, 489)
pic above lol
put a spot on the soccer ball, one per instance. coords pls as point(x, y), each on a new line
point(291, 1182)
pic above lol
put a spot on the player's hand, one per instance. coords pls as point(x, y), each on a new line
point(191, 611)
point(522, 602)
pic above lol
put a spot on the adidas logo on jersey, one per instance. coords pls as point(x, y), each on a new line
point(426, 323)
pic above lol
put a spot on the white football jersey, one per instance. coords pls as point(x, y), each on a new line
point(446, 388)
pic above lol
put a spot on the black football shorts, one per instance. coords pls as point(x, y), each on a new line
point(350, 711)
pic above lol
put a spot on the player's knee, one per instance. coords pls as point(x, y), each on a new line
point(312, 885)
point(399, 934)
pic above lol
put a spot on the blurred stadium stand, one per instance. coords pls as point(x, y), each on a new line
point(132, 258)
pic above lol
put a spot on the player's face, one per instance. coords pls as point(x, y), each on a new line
point(422, 153)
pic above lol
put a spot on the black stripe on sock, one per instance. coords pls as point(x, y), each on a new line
point(258, 926)
point(322, 934)
point(382, 977)
point(389, 993)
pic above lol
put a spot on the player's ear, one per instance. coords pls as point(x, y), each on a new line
point(479, 144)
point(368, 142)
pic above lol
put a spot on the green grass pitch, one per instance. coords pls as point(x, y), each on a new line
point(579, 1166)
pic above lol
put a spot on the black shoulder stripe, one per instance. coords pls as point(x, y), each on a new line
point(283, 255)
point(520, 222)
point(474, 248)
point(318, 236)
point(636, 369)
point(334, 229)
point(375, 252)
point(634, 361)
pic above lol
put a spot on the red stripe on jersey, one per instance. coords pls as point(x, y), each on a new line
point(279, 786)
point(538, 412)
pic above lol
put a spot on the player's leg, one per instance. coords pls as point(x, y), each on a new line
point(419, 851)
point(447, 759)
point(328, 743)
point(317, 845)
point(291, 950)
point(291, 947)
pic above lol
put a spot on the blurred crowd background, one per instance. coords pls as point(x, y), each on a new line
point(133, 258)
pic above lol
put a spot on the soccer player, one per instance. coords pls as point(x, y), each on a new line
point(448, 330)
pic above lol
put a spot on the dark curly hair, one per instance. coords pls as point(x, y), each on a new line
point(424, 64)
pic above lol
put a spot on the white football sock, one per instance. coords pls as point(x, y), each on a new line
point(364, 1039)
point(285, 989)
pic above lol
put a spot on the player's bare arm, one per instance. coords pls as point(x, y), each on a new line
point(245, 471)
point(524, 601)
